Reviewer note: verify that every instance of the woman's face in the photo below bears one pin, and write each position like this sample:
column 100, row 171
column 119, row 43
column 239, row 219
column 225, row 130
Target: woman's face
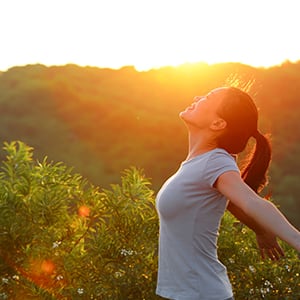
column 203, row 111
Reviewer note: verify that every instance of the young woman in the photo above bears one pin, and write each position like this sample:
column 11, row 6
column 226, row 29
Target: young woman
column 192, row 202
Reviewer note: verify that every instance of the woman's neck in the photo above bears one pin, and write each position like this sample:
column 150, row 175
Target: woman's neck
column 199, row 144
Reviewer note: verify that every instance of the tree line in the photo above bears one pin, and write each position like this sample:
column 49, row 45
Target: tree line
column 102, row 121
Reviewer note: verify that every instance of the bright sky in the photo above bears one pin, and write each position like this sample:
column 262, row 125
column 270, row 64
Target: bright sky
column 148, row 33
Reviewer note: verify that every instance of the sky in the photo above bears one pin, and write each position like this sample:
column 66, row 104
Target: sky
column 148, row 33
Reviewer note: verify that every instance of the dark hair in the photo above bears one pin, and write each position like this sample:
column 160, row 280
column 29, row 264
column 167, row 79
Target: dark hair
column 255, row 170
column 240, row 113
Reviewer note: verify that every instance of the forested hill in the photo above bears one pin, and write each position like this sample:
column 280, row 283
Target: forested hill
column 101, row 121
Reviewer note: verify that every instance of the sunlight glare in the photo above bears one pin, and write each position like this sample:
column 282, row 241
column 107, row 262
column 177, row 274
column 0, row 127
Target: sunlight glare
column 147, row 34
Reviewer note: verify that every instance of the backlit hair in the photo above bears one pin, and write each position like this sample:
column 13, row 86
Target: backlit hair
column 239, row 111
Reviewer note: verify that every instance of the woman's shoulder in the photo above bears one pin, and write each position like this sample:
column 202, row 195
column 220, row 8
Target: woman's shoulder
column 219, row 152
column 221, row 159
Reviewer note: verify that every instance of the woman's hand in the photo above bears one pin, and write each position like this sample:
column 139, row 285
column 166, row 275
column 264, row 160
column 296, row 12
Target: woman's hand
column 268, row 246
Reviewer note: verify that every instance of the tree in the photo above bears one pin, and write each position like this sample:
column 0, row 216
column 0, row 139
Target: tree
column 63, row 238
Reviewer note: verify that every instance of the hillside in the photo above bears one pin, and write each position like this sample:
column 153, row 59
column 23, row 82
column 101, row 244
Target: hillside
column 101, row 121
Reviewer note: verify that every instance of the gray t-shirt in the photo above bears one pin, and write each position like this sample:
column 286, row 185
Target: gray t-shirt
column 190, row 210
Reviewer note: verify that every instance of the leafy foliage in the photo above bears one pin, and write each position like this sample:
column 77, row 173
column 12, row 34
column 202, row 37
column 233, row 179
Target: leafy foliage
column 63, row 238
column 250, row 276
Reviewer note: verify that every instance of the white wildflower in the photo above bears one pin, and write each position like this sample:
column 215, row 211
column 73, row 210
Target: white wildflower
column 80, row 291
column 288, row 268
column 16, row 277
column 252, row 269
column 125, row 252
column 5, row 280
column 56, row 244
column 118, row 274
column 59, row 277
column 268, row 284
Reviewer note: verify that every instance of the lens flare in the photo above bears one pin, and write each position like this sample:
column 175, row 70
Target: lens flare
column 83, row 211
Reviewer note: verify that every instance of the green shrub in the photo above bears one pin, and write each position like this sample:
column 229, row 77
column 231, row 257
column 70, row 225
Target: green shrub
column 250, row 276
column 63, row 238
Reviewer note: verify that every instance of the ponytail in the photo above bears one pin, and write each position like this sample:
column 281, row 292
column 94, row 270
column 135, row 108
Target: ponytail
column 239, row 111
column 254, row 172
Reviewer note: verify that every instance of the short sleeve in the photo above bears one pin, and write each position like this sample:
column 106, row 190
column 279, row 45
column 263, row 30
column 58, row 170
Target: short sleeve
column 218, row 163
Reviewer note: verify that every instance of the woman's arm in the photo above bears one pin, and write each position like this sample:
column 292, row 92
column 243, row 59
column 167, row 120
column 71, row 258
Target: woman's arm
column 267, row 241
column 263, row 212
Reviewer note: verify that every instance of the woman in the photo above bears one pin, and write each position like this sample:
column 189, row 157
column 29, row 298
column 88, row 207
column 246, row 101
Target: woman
column 192, row 202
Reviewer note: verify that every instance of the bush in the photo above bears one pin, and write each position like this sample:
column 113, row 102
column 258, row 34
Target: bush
column 250, row 276
column 63, row 238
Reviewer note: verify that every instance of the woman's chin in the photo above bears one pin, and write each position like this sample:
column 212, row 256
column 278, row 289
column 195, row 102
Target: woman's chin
column 183, row 114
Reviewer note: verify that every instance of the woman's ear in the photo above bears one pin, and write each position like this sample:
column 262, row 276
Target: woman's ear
column 218, row 124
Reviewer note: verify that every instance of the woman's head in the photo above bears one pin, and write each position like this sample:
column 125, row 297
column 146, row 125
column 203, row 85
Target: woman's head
column 228, row 113
column 230, row 116
column 239, row 112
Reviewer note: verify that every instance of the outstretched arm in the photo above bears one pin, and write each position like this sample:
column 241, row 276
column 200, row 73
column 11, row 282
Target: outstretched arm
column 264, row 213
column 267, row 241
